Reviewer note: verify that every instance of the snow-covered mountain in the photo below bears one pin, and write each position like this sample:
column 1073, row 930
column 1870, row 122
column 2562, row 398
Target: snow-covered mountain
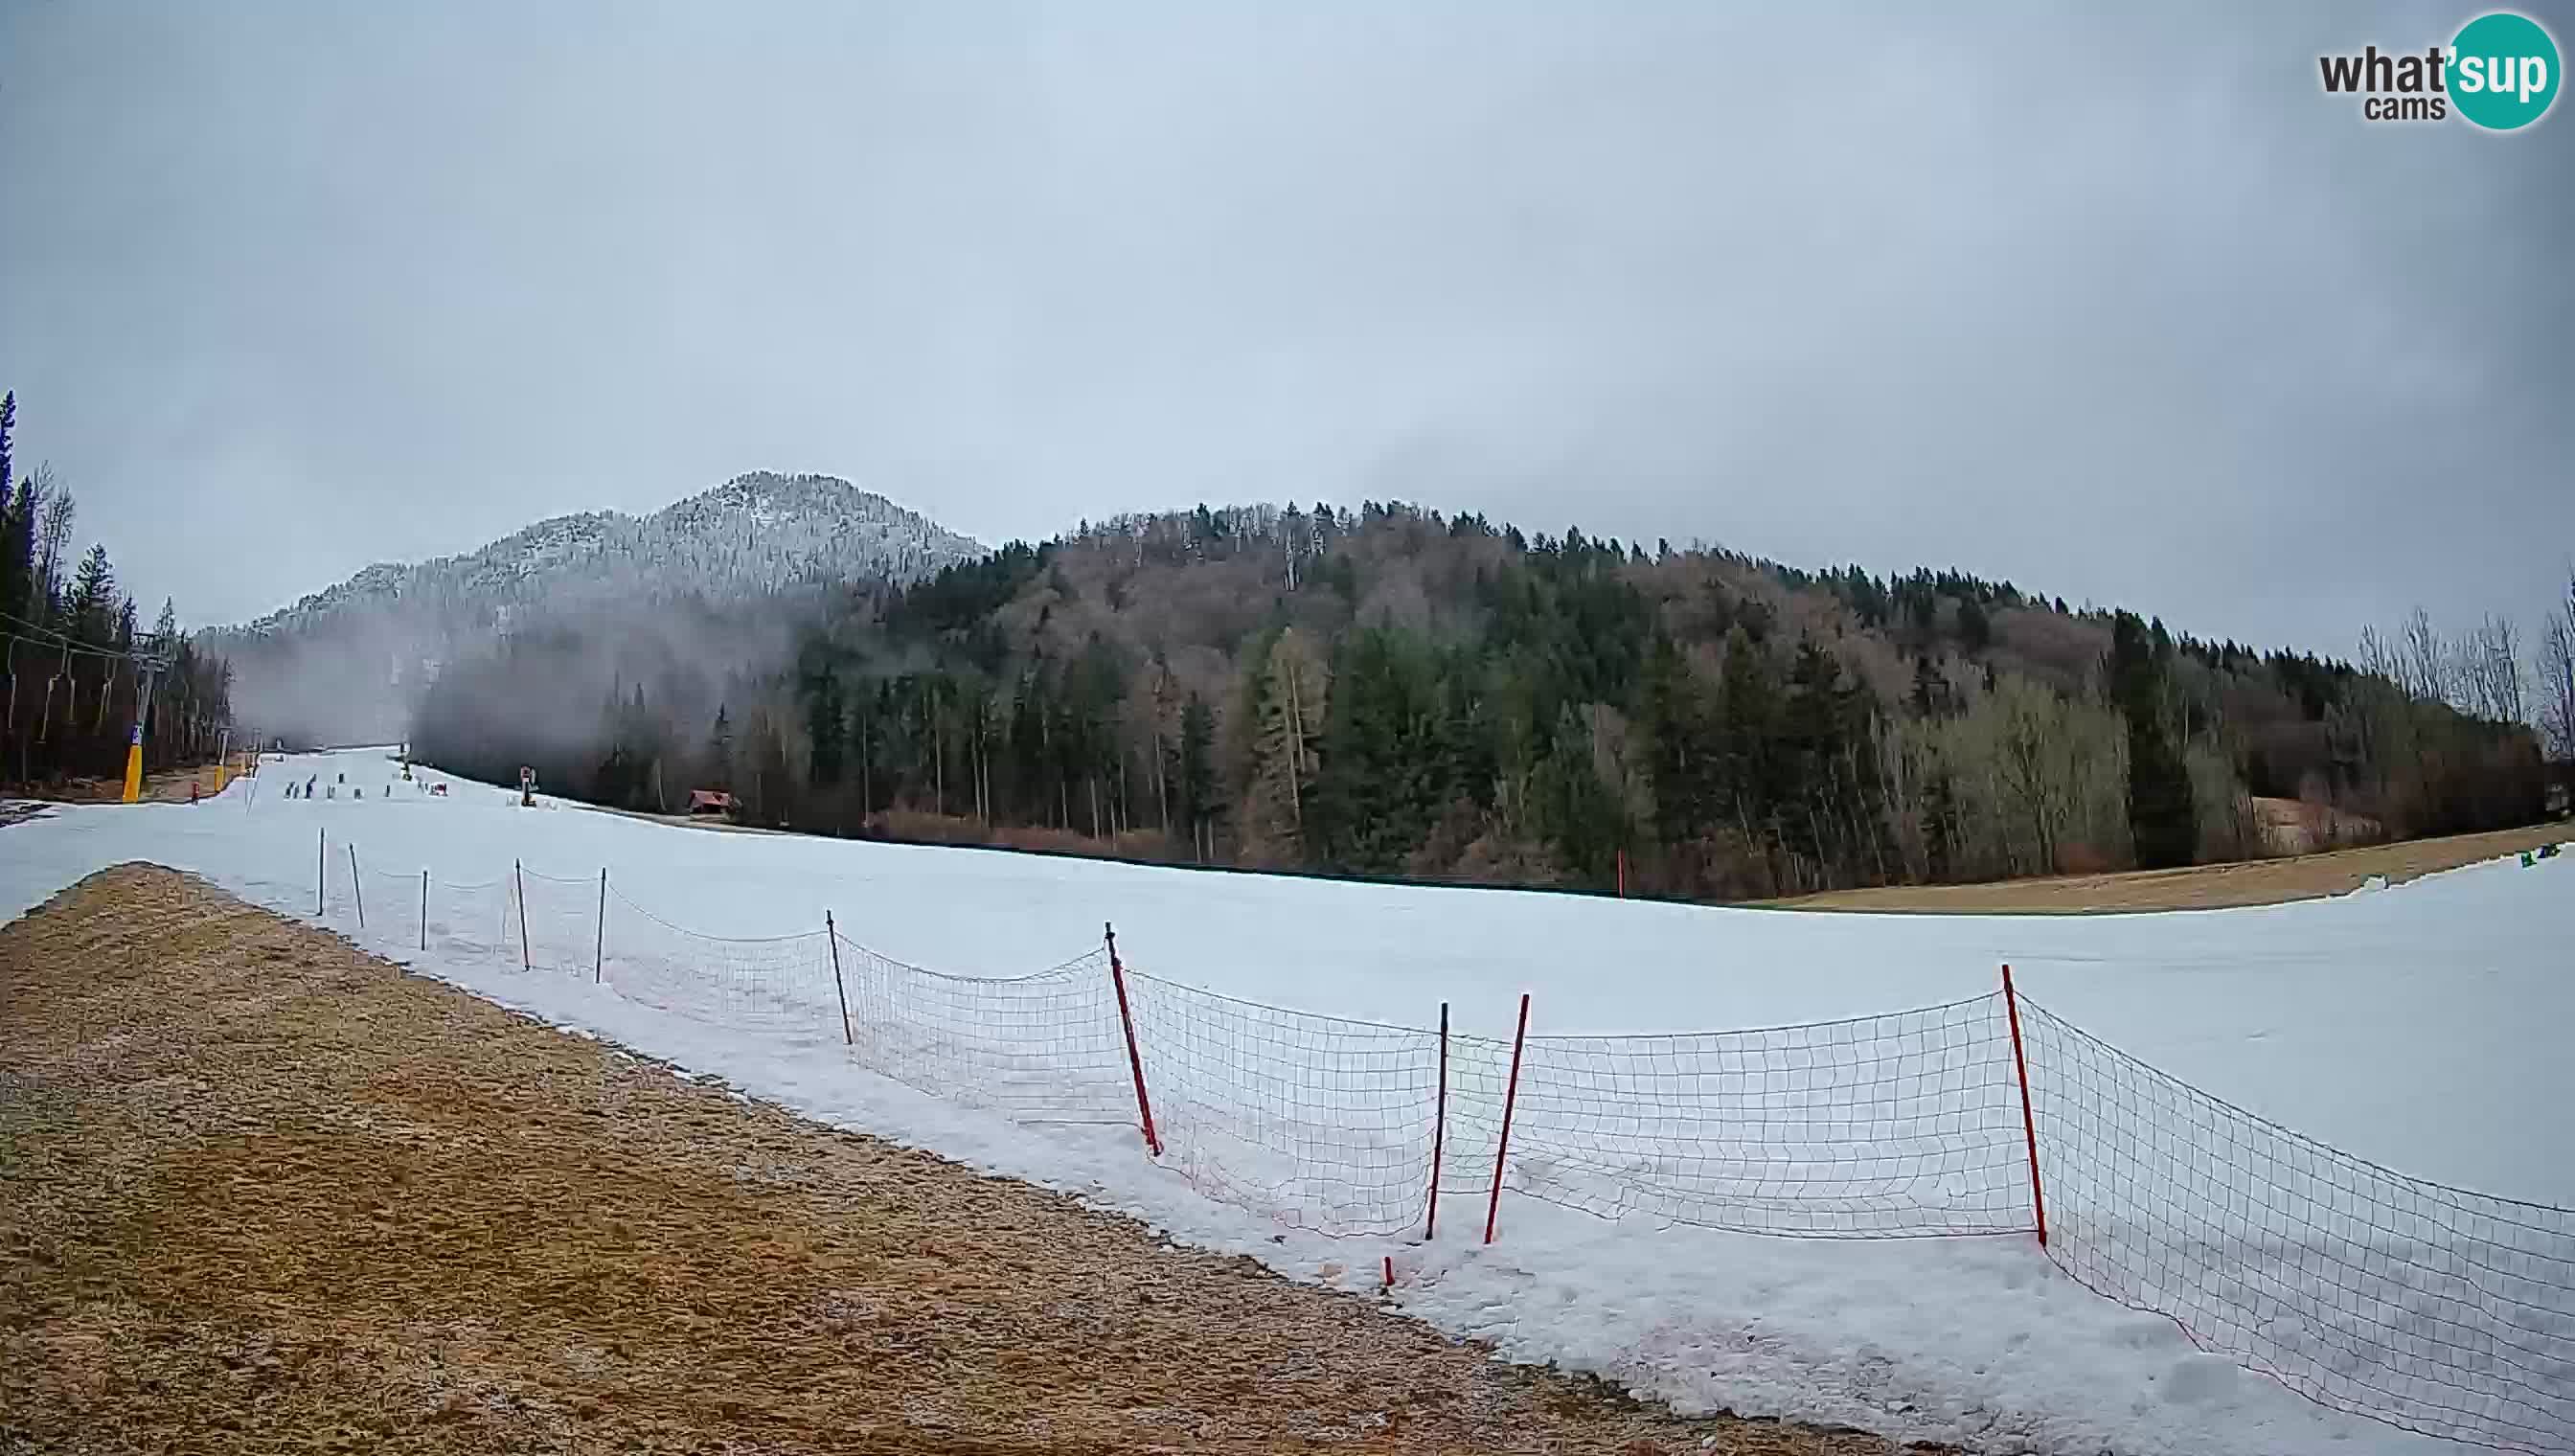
column 346, row 661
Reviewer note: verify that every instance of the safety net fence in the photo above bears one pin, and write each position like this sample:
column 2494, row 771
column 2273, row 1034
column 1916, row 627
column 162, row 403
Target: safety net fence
column 2438, row 1310
column 2433, row 1309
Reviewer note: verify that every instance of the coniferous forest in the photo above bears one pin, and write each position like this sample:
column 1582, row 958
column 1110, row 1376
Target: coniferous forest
column 1391, row 693
column 71, row 654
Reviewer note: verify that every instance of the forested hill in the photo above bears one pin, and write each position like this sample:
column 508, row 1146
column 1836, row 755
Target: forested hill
column 1391, row 693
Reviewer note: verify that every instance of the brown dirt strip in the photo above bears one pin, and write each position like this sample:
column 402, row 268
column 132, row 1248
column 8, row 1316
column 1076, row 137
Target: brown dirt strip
column 260, row 1191
column 2199, row 887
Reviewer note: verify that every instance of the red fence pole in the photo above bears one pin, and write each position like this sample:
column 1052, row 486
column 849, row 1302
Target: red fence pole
column 1134, row 1058
column 2028, row 1124
column 831, row 936
column 1439, row 1128
column 1503, row 1144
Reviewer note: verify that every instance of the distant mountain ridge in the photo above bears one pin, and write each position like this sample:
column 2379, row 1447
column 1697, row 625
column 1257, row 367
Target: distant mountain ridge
column 346, row 659
column 753, row 532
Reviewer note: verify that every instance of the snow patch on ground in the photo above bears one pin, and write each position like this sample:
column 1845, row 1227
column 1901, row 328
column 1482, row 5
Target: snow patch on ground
column 2416, row 1027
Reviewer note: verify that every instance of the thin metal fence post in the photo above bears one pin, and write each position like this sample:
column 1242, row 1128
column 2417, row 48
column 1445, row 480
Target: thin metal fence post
column 320, row 869
column 519, row 877
column 599, row 952
column 423, row 909
column 831, row 936
column 357, row 891
column 1503, row 1144
column 1438, row 1129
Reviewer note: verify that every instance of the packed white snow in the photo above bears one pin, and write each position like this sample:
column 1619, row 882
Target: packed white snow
column 2418, row 1027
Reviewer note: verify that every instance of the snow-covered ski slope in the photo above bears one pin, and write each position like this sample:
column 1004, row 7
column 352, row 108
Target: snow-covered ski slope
column 2416, row 1027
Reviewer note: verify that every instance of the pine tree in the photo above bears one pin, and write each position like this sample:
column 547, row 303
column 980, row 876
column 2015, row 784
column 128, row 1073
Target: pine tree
column 1930, row 692
column 823, row 725
column 16, row 517
column 92, row 604
column 18, row 551
column 1193, row 787
column 720, row 752
column 769, row 772
column 2163, row 818
column 1746, row 712
column 1673, row 718
column 1975, row 630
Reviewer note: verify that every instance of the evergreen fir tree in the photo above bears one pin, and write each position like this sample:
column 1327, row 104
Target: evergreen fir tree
column 1673, row 718
column 1930, row 693
column 1975, row 630
column 823, row 725
column 719, row 771
column 91, row 605
column 2162, row 817
column 18, row 551
column 1193, row 787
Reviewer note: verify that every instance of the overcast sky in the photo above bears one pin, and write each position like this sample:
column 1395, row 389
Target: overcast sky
column 2121, row 308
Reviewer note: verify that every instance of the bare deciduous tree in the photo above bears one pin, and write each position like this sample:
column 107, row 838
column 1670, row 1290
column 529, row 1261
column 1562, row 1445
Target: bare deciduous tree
column 2557, row 676
column 2425, row 662
column 2487, row 671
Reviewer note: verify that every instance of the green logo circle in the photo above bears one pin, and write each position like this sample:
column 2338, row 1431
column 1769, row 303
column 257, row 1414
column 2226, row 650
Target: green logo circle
column 2503, row 71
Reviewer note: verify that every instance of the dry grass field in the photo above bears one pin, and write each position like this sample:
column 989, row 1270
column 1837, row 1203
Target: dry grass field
column 2199, row 887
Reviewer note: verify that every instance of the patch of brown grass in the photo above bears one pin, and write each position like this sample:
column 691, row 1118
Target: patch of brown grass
column 2199, row 887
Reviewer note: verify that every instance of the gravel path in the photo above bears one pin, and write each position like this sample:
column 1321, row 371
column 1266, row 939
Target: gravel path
column 260, row 1191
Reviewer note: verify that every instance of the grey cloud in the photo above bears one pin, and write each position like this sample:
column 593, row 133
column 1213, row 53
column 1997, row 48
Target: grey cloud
column 2118, row 305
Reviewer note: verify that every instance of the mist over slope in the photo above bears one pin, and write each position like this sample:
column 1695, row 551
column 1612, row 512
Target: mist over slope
column 350, row 663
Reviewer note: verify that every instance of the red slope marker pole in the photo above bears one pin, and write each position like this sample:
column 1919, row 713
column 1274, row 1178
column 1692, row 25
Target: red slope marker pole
column 1134, row 1058
column 1438, row 1129
column 1503, row 1144
column 2028, row 1122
